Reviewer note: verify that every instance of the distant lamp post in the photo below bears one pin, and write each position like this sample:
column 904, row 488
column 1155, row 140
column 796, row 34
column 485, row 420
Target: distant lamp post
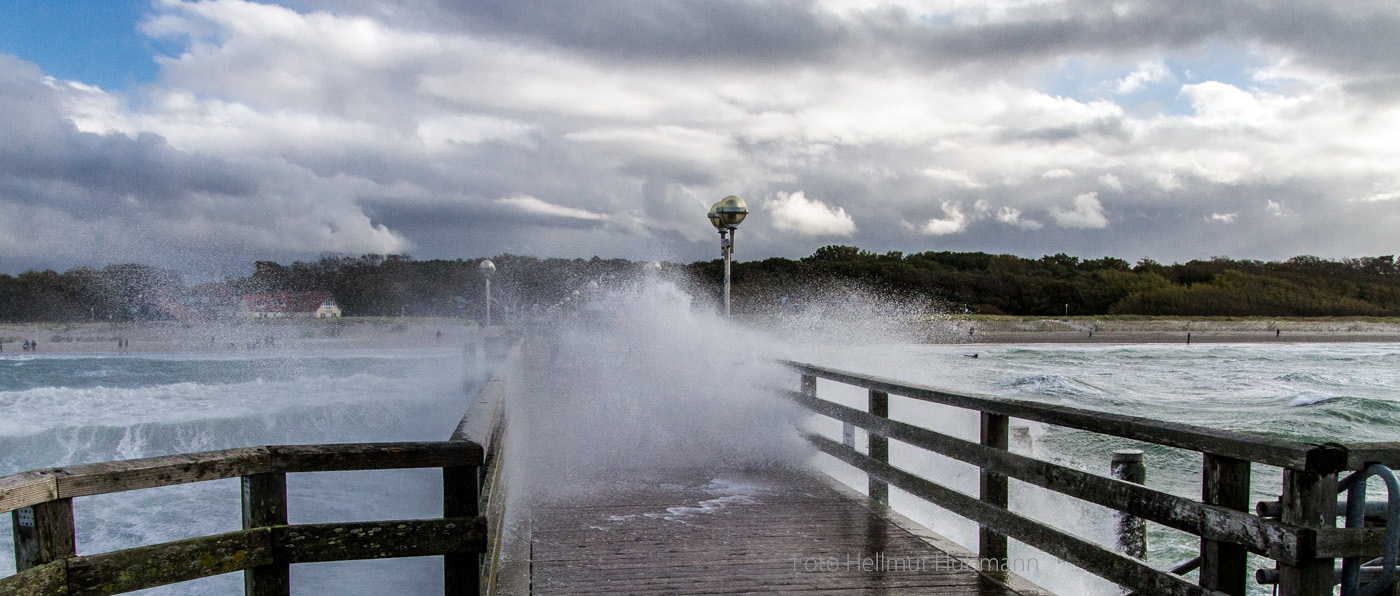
column 725, row 216
column 488, row 269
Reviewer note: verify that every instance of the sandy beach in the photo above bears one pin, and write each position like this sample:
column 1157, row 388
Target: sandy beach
column 302, row 334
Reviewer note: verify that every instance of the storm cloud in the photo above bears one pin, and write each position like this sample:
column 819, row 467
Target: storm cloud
column 1172, row 130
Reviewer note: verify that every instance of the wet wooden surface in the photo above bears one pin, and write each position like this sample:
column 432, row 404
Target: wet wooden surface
column 771, row 532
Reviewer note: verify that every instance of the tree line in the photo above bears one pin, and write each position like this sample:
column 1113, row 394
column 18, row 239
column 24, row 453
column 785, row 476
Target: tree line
column 975, row 282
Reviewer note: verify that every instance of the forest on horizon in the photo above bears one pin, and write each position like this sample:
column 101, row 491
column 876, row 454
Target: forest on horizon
column 974, row 282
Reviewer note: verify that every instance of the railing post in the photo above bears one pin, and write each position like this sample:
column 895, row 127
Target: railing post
column 994, row 490
column 1224, row 482
column 461, row 494
column 809, row 385
column 43, row 533
column 265, row 504
column 879, row 447
column 1309, row 500
column 1128, row 466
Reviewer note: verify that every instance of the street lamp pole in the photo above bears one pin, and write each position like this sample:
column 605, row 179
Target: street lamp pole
column 488, row 269
column 725, row 216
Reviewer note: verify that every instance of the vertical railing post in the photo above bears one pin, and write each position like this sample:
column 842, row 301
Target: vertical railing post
column 809, row 385
column 461, row 497
column 265, row 504
column 1224, row 482
column 1128, row 466
column 43, row 533
column 1309, row 500
column 992, row 549
column 879, row 447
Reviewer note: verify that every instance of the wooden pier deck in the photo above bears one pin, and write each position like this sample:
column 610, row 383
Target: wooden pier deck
column 770, row 532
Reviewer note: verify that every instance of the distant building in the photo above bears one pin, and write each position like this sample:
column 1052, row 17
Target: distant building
column 289, row 305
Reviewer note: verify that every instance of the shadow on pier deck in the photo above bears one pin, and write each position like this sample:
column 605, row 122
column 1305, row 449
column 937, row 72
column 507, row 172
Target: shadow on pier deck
column 767, row 531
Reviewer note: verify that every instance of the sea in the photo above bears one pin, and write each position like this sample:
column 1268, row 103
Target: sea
column 64, row 409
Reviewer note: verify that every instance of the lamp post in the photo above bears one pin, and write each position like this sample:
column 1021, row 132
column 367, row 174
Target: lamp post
column 725, row 216
column 488, row 269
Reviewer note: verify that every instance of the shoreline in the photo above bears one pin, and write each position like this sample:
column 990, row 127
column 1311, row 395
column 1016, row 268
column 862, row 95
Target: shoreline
column 391, row 333
column 1014, row 330
column 227, row 336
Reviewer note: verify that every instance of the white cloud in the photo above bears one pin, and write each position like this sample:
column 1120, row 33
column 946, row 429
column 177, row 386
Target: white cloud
column 1111, row 181
column 1147, row 72
column 1057, row 173
column 1224, row 217
column 1012, row 216
column 955, row 221
column 959, row 177
column 795, row 213
column 533, row 206
column 1276, row 209
column 1087, row 212
column 1168, row 182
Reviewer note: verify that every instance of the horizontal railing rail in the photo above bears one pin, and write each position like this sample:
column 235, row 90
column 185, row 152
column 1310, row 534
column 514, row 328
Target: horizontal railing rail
column 38, row 486
column 1301, row 538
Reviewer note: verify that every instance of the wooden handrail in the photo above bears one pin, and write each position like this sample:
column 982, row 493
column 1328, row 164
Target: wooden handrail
column 46, row 550
column 39, row 486
column 1303, row 546
column 1283, row 453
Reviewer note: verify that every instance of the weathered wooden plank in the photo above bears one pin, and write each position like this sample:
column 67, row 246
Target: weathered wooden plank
column 372, row 456
column 993, row 487
column 1340, row 543
column 1267, row 450
column 264, row 505
column 1125, row 571
column 1272, row 538
column 483, row 415
column 50, row 579
column 878, row 446
column 1127, row 465
column 351, row 541
column 167, row 470
column 1224, row 482
column 1309, row 500
column 27, row 488
column 461, row 498
column 43, row 533
column 168, row 563
column 1360, row 454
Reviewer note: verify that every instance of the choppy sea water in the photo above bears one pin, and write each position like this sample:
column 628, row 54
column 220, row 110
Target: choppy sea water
column 1306, row 392
column 67, row 409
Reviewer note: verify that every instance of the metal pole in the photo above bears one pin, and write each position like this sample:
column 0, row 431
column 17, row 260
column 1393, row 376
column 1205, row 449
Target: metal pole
column 728, row 256
column 488, row 302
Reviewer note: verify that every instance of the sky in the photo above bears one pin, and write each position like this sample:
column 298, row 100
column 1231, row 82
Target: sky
column 205, row 135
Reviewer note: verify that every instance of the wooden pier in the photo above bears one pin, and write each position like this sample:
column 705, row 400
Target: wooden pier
column 731, row 531
column 761, row 531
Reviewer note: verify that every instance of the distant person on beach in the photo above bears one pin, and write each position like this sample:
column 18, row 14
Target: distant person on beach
column 1276, row 332
column 1188, row 338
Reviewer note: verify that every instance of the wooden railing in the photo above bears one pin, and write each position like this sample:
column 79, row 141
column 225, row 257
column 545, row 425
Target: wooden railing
column 41, row 506
column 1303, row 541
